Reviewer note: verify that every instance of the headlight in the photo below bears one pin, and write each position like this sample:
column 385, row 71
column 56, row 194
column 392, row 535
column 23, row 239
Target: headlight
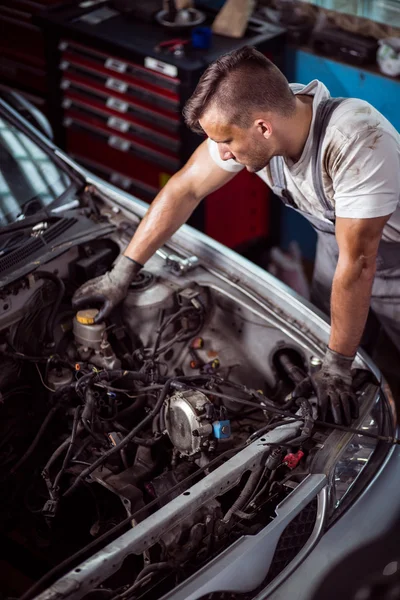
column 354, row 460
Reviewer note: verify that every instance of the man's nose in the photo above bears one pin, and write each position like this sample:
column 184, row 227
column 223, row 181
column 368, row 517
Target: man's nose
column 224, row 152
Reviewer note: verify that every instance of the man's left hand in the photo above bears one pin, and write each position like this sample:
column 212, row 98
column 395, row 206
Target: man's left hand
column 332, row 385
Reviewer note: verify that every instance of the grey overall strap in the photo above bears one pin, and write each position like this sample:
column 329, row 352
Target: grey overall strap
column 322, row 117
column 276, row 164
column 277, row 175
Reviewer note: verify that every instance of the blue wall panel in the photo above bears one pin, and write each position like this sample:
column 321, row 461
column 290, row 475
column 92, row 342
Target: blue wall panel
column 348, row 81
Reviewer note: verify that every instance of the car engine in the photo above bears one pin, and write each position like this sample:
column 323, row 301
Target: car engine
column 104, row 424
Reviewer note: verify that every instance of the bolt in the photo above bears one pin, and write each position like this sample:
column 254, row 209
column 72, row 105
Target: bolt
column 315, row 361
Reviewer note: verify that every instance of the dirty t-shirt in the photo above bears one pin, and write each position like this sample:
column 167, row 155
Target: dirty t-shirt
column 360, row 164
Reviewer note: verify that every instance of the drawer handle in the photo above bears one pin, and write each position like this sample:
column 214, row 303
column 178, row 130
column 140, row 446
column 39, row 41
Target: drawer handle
column 116, row 104
column 118, row 143
column 118, row 124
column 116, row 85
column 115, row 65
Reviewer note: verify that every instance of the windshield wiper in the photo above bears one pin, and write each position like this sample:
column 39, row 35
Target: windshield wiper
column 32, row 207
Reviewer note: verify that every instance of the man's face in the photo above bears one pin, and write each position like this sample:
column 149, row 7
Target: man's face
column 249, row 147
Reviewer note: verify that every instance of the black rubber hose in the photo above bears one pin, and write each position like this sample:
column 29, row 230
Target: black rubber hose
column 58, row 451
column 166, row 324
column 37, row 438
column 70, row 448
column 265, row 488
column 125, row 440
column 134, row 407
column 293, row 371
column 61, row 291
column 96, row 377
column 245, row 494
column 145, row 572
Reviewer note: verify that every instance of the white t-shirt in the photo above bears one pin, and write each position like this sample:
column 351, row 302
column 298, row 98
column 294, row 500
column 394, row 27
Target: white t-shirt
column 360, row 164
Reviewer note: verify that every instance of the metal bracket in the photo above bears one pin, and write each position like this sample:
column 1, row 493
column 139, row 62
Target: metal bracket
column 180, row 266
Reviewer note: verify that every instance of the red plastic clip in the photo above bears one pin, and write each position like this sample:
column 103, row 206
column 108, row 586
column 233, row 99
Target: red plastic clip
column 292, row 460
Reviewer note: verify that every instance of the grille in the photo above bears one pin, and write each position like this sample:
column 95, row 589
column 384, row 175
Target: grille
column 292, row 540
column 29, row 248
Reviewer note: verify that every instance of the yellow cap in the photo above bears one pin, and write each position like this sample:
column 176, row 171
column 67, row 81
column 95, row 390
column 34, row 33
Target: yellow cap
column 86, row 317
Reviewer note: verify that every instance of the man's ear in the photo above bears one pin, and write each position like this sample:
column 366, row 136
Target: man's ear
column 263, row 127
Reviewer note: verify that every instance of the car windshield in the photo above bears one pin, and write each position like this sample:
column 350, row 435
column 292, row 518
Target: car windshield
column 29, row 179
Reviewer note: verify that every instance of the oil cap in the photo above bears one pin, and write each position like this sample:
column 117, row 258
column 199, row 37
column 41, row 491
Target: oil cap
column 87, row 316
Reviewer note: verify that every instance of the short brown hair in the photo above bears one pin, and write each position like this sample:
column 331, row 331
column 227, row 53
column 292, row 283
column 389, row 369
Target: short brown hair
column 239, row 83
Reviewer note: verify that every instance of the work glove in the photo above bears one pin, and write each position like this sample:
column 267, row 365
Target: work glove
column 108, row 289
column 332, row 385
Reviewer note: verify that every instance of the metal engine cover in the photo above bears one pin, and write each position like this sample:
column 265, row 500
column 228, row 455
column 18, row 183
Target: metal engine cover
column 185, row 423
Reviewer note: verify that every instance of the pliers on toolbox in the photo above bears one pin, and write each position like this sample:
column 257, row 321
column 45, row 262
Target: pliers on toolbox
column 174, row 46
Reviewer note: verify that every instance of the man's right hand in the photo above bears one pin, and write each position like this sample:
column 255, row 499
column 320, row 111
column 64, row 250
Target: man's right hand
column 333, row 386
column 108, row 289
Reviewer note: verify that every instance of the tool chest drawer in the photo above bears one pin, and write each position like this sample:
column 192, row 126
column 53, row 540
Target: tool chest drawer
column 117, row 153
column 121, row 139
column 139, row 130
column 76, row 87
column 123, row 83
column 113, row 65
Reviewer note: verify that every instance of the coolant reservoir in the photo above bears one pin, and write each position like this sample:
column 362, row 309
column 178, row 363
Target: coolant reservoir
column 91, row 340
column 88, row 333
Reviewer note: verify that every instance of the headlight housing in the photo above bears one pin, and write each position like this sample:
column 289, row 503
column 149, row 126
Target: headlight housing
column 354, row 459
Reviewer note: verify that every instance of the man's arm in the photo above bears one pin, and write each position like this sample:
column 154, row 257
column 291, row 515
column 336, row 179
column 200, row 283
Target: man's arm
column 176, row 202
column 170, row 209
column 358, row 241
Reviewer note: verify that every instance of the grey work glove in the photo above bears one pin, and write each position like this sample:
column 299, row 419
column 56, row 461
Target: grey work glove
column 108, row 289
column 332, row 385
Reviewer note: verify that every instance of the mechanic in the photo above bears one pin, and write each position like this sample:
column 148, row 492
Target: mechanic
column 336, row 161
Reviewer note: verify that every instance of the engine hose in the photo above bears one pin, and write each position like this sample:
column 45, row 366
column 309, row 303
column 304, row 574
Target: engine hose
column 264, row 489
column 125, row 440
column 155, row 426
column 61, row 291
column 138, row 440
column 293, row 371
column 135, row 406
column 167, row 323
column 245, row 494
column 98, row 376
column 38, row 436
column 144, row 573
column 82, row 448
column 70, row 448
column 58, row 451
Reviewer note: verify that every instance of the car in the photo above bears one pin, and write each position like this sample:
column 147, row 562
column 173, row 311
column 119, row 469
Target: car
column 161, row 454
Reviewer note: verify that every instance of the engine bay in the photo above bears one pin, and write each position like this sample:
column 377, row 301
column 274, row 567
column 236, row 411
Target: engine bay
column 105, row 424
